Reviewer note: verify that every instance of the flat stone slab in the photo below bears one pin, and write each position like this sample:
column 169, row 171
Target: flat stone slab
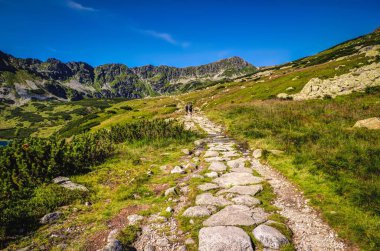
column 242, row 170
column 230, row 154
column 243, row 190
column 212, row 174
column 208, row 186
column 211, row 154
column 217, row 166
column 240, row 162
column 236, row 215
column 209, row 199
column 212, row 159
column 196, row 211
column 237, row 179
column 269, row 236
column 246, row 200
column 223, row 238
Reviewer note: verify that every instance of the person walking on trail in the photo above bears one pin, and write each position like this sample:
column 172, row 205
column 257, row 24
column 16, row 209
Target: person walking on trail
column 187, row 109
column 191, row 108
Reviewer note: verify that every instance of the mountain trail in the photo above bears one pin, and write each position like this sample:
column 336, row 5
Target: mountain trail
column 231, row 214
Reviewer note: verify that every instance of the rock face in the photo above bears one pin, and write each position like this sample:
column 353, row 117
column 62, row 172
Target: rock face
column 54, row 79
column 357, row 80
column 270, row 237
column 371, row 123
column 224, row 238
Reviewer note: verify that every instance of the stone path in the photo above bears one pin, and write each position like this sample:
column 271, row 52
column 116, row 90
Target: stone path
column 231, row 214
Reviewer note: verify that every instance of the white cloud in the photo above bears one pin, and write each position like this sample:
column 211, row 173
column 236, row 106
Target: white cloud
column 165, row 37
column 80, row 7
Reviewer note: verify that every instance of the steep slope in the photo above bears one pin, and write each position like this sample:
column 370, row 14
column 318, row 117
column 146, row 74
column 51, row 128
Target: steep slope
column 24, row 79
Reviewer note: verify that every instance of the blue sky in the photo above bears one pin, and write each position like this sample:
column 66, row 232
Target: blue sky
column 180, row 33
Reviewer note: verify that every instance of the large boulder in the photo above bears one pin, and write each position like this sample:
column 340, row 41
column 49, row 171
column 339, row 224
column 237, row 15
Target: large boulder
column 237, row 215
column 224, row 238
column 269, row 236
column 370, row 123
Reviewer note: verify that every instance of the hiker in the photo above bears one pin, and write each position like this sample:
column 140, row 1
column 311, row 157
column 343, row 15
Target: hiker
column 187, row 109
column 191, row 108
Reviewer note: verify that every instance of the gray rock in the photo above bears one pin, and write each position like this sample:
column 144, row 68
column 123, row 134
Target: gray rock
column 240, row 162
column 211, row 154
column 171, row 191
column 114, row 245
column 133, row 219
column 237, row 179
column 189, row 241
column 212, row 174
column 197, row 176
column 217, row 166
column 221, row 238
column 257, row 153
column 246, row 200
column 197, row 153
column 169, row 210
column 370, row 123
column 207, row 186
column 149, row 247
column 209, row 199
column 60, row 180
column 212, row 159
column 51, row 217
column 178, row 169
column 237, row 215
column 230, row 154
column 163, row 242
column 269, row 236
column 196, row 211
column 199, row 142
column 243, row 190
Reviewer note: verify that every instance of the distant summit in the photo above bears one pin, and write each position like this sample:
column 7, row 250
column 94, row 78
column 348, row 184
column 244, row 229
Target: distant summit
column 22, row 80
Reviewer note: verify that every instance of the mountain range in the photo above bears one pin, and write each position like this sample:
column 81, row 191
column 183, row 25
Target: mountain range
column 22, row 80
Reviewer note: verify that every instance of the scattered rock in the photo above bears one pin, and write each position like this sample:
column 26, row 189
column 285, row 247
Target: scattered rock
column 189, row 241
column 217, row 166
column 283, row 96
column 370, row 123
column 269, row 236
column 199, row 142
column 51, row 217
column 291, row 88
column 196, row 211
column 163, row 242
column 242, row 170
column 257, row 153
column 236, row 179
column 171, row 191
column 112, row 243
column 178, row 169
column 237, row 215
column 197, row 153
column 66, row 183
column 197, row 176
column 224, row 238
column 246, row 200
column 209, row 199
column 60, row 180
column 207, row 186
column 212, row 174
column 134, row 219
column 169, row 210
column 186, row 151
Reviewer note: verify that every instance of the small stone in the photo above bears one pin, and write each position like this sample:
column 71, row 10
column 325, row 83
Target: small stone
column 178, row 169
column 236, row 163
column 269, row 236
column 60, row 180
column 196, row 211
column 149, row 247
column 212, row 174
column 134, row 219
column 171, row 191
column 182, row 248
column 51, row 217
column 189, row 241
column 163, row 242
column 191, row 222
column 87, row 204
column 197, row 176
column 257, row 153
column 169, row 210
column 197, row 153
column 186, row 151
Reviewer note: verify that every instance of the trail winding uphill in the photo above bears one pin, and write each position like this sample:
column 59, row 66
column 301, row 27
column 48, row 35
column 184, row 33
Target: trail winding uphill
column 232, row 218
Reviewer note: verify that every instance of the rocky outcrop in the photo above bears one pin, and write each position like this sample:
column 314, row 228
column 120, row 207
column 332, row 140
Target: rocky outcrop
column 357, row 80
column 54, row 79
column 370, row 123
